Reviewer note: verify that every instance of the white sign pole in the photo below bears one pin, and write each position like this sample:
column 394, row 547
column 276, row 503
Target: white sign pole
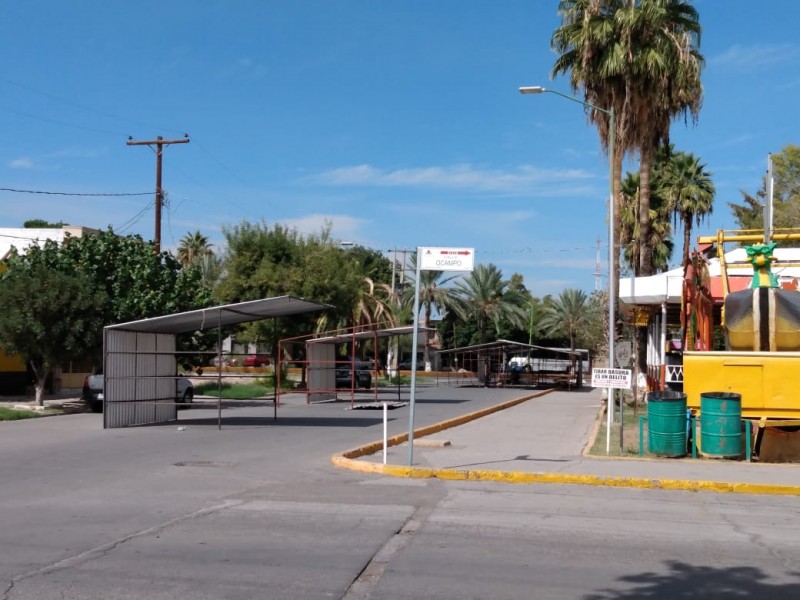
column 431, row 259
column 385, row 429
column 414, row 338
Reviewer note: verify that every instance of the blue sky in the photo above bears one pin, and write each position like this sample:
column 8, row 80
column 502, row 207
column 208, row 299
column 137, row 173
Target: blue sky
column 398, row 122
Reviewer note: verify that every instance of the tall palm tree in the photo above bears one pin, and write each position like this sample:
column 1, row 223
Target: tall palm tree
column 660, row 240
column 433, row 295
column 589, row 47
column 192, row 248
column 641, row 58
column 690, row 193
column 661, row 40
column 487, row 298
column 566, row 314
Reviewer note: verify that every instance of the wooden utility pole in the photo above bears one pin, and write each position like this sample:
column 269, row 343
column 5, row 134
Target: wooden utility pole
column 159, row 144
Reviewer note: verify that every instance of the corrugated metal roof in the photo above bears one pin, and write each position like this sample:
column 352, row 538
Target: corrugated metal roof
column 228, row 314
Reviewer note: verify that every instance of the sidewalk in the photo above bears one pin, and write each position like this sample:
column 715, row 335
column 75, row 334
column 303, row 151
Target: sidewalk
column 543, row 439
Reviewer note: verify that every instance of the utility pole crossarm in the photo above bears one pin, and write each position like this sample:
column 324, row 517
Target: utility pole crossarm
column 132, row 142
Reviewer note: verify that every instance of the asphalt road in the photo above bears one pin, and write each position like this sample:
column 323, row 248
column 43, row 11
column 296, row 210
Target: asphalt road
column 257, row 511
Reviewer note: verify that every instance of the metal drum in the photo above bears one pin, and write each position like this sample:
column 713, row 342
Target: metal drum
column 721, row 424
column 666, row 423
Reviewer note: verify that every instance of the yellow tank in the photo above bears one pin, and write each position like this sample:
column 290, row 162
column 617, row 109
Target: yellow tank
column 767, row 381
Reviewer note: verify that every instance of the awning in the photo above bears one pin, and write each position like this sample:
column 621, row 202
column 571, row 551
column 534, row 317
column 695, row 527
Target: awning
column 227, row 314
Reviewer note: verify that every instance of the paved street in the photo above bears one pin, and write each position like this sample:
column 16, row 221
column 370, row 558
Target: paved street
column 256, row 510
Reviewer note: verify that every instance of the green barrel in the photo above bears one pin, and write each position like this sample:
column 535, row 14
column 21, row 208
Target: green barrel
column 721, row 424
column 666, row 423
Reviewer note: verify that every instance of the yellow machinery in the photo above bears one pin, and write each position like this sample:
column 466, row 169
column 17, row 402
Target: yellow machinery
column 762, row 330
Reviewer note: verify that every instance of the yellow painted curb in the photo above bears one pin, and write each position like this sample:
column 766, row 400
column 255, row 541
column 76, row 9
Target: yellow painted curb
column 347, row 460
column 565, row 479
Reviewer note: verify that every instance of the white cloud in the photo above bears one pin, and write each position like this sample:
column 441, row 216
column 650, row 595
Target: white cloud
column 757, row 55
column 343, row 227
column 22, row 163
column 524, row 179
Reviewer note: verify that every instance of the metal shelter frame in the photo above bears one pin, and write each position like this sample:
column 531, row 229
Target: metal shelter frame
column 320, row 362
column 490, row 362
column 139, row 357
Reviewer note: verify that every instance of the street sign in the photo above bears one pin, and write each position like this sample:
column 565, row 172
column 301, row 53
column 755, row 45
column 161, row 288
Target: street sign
column 612, row 378
column 623, row 353
column 446, row 259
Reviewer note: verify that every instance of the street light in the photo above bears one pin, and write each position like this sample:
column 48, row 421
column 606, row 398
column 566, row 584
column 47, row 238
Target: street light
column 537, row 89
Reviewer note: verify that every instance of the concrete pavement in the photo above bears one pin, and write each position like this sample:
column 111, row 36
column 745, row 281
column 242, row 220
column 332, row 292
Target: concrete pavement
column 541, row 438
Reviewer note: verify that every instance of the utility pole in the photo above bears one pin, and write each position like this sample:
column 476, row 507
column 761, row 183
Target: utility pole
column 159, row 144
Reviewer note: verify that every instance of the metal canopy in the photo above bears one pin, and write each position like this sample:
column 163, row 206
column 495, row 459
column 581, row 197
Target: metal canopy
column 508, row 346
column 227, row 314
column 368, row 334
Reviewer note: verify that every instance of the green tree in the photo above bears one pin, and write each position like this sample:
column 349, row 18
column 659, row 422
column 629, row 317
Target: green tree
column 42, row 224
column 641, row 58
column 593, row 333
column 193, row 247
column 48, row 317
column 660, row 231
column 689, row 191
column 137, row 282
column 662, row 75
column 566, row 315
column 265, row 260
column 485, row 297
column 786, row 195
column 433, row 295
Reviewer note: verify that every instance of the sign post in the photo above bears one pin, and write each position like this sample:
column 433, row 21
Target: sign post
column 431, row 259
column 611, row 379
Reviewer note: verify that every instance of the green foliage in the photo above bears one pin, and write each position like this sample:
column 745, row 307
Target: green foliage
column 264, row 261
column 485, row 297
column 42, row 224
column 593, row 332
column 135, row 282
column 48, row 317
column 11, row 414
column 642, row 59
column 786, row 195
column 566, row 315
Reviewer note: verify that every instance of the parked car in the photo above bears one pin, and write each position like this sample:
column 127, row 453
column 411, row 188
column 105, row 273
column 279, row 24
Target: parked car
column 406, row 365
column 256, row 360
column 93, row 392
column 344, row 375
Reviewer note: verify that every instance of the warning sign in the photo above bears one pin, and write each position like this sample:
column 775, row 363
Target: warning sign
column 612, row 378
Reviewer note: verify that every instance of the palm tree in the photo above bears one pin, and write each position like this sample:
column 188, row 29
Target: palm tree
column 192, row 248
column 589, row 46
column 487, row 298
column 639, row 57
column 432, row 296
column 660, row 231
column 566, row 314
column 690, row 193
column 661, row 39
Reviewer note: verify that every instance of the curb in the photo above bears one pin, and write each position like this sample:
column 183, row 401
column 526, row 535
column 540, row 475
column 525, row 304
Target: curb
column 348, row 460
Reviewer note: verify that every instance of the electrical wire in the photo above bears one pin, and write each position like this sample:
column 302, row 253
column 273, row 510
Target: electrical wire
column 47, row 193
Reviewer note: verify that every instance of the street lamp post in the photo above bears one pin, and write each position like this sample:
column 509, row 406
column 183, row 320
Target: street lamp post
column 536, row 89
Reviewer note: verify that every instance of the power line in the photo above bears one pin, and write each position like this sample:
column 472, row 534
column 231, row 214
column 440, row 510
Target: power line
column 82, row 107
column 47, row 193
